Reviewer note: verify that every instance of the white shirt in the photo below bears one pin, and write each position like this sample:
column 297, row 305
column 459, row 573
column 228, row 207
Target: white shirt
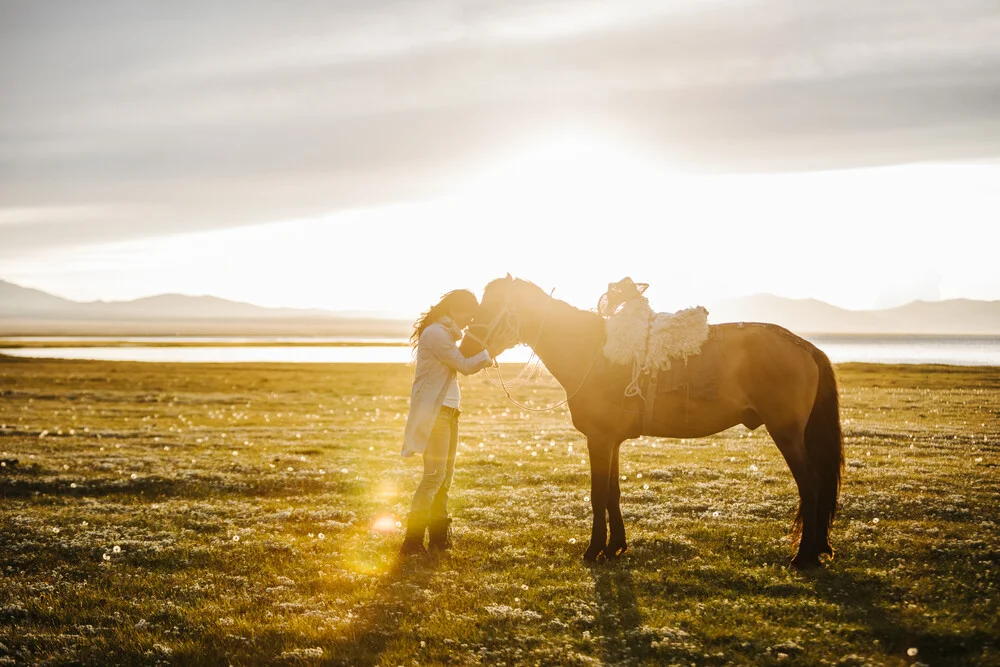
column 454, row 395
column 438, row 359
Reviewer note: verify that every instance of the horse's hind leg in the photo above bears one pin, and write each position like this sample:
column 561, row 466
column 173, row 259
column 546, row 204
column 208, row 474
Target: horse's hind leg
column 617, row 544
column 791, row 444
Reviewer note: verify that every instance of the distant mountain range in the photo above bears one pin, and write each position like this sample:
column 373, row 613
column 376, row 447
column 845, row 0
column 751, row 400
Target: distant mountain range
column 953, row 316
column 25, row 311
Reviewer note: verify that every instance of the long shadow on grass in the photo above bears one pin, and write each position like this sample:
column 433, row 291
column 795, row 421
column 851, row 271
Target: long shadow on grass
column 619, row 614
column 156, row 487
column 872, row 603
column 396, row 600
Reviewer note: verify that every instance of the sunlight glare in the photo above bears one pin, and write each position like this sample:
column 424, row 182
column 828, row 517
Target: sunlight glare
column 385, row 524
column 569, row 201
column 575, row 213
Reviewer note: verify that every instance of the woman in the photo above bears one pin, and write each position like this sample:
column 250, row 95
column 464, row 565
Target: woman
column 432, row 425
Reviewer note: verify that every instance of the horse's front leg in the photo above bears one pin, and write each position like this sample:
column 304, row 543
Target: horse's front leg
column 617, row 545
column 601, row 452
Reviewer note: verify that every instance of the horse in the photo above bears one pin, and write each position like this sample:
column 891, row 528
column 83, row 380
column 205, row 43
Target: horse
column 765, row 375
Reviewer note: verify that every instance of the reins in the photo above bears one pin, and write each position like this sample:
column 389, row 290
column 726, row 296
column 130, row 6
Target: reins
column 528, row 369
column 560, row 403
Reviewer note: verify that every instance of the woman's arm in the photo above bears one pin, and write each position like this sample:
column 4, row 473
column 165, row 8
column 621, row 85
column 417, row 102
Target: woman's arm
column 439, row 342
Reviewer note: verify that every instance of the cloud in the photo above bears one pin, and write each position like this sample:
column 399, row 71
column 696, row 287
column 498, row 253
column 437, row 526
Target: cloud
column 181, row 116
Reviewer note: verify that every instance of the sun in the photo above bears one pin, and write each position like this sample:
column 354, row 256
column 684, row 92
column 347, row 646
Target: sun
column 568, row 202
column 568, row 171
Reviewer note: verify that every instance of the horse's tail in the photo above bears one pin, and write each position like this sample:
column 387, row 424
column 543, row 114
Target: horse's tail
column 825, row 443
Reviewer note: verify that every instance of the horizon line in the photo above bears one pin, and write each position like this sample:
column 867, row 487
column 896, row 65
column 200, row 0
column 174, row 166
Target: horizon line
column 397, row 315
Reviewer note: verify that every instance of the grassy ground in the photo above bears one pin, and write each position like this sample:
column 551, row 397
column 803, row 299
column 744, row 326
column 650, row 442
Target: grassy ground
column 207, row 514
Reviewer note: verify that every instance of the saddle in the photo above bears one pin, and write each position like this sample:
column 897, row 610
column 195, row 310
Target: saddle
column 668, row 352
column 697, row 376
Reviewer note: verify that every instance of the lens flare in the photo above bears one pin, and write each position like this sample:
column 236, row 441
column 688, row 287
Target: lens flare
column 385, row 524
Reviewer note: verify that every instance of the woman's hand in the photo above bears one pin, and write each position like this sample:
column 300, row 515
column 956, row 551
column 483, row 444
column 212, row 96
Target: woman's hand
column 501, row 340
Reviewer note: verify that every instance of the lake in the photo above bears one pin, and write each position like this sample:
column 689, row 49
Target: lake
column 888, row 349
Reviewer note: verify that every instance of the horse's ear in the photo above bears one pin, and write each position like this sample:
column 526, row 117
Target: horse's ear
column 509, row 277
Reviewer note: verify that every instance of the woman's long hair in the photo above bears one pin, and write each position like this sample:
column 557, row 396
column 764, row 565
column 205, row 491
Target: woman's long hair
column 459, row 299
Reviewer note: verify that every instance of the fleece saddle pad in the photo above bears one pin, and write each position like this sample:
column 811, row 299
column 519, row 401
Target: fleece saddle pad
column 637, row 335
column 698, row 376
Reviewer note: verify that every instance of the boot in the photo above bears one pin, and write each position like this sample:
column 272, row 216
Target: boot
column 440, row 534
column 413, row 543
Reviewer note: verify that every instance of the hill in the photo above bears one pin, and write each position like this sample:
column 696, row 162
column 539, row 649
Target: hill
column 950, row 317
column 25, row 311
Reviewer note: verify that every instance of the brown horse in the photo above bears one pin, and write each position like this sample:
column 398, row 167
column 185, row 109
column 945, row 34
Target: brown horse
column 764, row 375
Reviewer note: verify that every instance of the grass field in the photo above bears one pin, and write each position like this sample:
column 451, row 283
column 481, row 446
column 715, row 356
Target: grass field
column 214, row 514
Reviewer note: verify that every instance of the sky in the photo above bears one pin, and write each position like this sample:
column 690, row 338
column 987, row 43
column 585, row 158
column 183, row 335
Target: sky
column 371, row 155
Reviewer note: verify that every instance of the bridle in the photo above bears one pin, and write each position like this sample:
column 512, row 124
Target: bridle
column 504, row 317
column 507, row 317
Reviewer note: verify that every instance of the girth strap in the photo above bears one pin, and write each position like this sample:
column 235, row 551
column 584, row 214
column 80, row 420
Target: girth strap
column 649, row 399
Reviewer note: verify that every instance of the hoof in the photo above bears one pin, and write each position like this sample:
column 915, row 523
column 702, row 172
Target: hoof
column 594, row 556
column 801, row 562
column 616, row 550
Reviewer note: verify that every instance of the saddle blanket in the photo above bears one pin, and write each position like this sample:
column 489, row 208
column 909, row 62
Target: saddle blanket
column 637, row 336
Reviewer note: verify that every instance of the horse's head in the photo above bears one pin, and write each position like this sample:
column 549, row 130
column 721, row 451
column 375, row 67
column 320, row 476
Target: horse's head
column 496, row 312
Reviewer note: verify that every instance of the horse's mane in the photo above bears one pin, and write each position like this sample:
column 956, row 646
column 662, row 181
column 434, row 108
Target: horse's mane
column 559, row 313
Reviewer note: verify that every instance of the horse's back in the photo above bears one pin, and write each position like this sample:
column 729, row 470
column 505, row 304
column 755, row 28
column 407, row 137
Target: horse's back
column 775, row 369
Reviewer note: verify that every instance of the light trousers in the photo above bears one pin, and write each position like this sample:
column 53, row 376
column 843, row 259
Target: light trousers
column 430, row 500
